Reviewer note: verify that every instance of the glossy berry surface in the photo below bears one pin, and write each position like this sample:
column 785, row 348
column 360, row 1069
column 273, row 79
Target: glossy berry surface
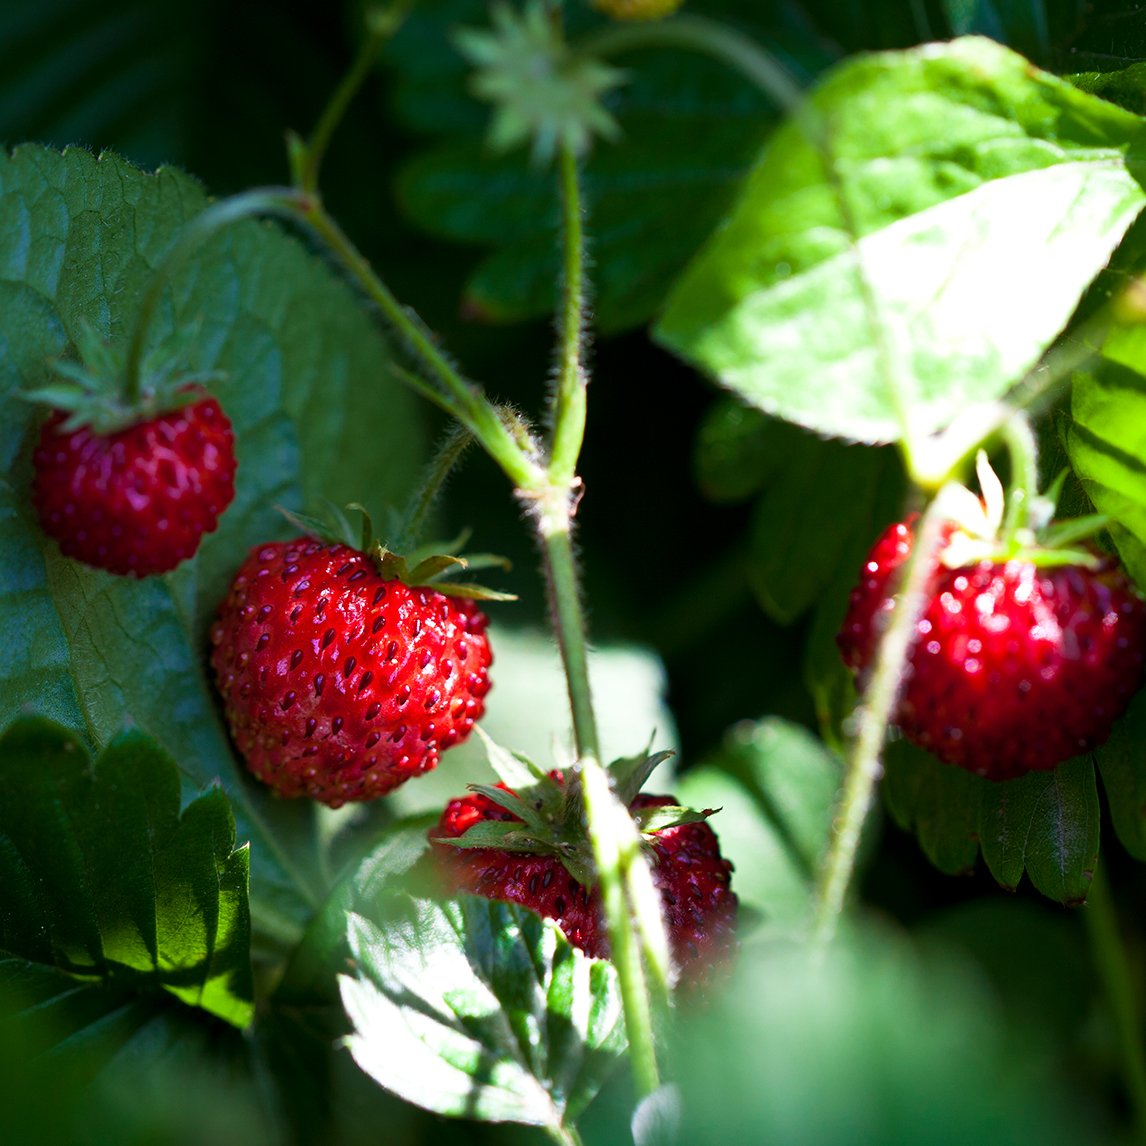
column 337, row 684
column 1015, row 667
column 137, row 501
column 693, row 878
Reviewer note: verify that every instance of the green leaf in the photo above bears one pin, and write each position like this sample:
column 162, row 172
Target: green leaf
column 91, row 71
column 776, row 786
column 1126, row 87
column 866, row 285
column 478, row 1009
column 1045, row 824
column 940, row 804
column 739, row 451
column 106, row 879
column 309, row 978
column 1106, row 440
column 315, row 413
column 1122, row 765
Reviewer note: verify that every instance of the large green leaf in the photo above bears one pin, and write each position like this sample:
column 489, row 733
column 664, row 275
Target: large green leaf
column 911, row 242
column 315, row 413
column 1044, row 825
column 105, row 878
column 775, row 786
column 479, row 1009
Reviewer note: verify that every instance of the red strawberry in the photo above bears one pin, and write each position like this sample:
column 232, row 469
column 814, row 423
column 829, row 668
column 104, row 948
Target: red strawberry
column 1015, row 666
column 693, row 879
column 339, row 684
column 136, row 501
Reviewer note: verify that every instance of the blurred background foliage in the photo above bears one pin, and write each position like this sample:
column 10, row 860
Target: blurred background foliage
column 676, row 560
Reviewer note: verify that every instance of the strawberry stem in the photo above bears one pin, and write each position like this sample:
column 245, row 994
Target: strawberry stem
column 1024, row 451
column 864, row 764
column 630, row 902
column 711, row 38
column 306, row 158
column 569, row 398
column 460, row 398
column 1114, row 970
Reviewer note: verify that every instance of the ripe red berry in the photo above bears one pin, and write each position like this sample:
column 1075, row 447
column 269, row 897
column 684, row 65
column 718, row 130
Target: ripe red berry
column 136, row 501
column 1015, row 667
column 688, row 869
column 340, row 685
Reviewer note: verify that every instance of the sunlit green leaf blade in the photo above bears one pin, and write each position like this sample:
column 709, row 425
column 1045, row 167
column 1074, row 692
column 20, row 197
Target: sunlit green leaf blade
column 105, row 878
column 479, row 1009
column 900, row 250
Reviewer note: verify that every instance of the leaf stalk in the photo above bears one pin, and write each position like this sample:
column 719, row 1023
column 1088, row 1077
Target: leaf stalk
column 864, row 763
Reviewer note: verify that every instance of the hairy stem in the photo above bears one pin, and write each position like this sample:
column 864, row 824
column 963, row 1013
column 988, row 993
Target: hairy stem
column 710, row 37
column 637, row 945
column 1024, row 451
column 307, row 158
column 864, row 765
column 616, row 851
column 569, row 398
column 462, row 399
column 1114, row 971
column 569, row 626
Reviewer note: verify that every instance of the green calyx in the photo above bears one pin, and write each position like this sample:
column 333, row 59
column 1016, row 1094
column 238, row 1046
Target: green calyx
column 549, row 813
column 429, row 565
column 543, row 92
column 986, row 528
column 93, row 390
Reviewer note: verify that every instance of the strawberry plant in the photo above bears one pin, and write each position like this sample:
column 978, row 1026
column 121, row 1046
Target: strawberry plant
column 820, row 504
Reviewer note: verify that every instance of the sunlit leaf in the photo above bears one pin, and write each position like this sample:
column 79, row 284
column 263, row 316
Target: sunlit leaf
column 899, row 250
column 480, row 1009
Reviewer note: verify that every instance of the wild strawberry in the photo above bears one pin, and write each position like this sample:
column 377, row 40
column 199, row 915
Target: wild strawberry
column 1016, row 666
column 688, row 869
column 339, row 683
column 139, row 499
